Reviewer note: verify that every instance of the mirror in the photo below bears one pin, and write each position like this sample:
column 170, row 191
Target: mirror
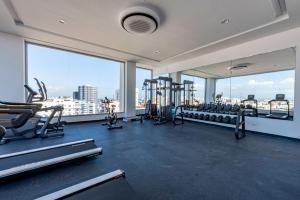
column 270, row 77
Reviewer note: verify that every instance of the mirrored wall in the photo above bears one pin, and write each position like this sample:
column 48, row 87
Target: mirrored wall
column 267, row 78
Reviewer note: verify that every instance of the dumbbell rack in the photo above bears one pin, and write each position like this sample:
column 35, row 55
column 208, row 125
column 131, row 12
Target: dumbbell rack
column 238, row 126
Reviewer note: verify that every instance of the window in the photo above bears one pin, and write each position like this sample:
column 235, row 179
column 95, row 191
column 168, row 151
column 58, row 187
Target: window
column 78, row 82
column 141, row 75
column 264, row 86
column 199, row 86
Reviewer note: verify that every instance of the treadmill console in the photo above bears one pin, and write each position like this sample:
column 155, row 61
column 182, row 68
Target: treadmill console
column 280, row 97
column 251, row 97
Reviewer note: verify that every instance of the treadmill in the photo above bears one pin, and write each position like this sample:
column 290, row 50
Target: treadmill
column 279, row 115
column 108, row 186
column 250, row 111
column 21, row 163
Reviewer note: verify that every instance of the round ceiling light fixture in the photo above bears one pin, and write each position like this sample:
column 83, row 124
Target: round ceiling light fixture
column 139, row 20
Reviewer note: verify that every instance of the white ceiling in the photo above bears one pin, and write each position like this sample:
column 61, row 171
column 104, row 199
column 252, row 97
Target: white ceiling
column 188, row 28
column 268, row 62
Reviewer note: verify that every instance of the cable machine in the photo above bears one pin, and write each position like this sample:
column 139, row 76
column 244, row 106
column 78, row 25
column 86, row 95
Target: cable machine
column 176, row 89
column 188, row 93
column 150, row 88
column 164, row 100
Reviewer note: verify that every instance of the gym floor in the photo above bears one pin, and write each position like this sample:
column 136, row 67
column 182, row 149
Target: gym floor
column 193, row 161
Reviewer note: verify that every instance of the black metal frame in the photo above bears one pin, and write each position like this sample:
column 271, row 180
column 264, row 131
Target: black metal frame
column 240, row 127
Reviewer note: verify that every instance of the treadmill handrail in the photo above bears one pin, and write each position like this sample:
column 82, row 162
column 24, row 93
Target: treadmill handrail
column 284, row 100
column 15, row 111
column 45, row 163
column 19, row 104
column 83, row 185
column 44, row 148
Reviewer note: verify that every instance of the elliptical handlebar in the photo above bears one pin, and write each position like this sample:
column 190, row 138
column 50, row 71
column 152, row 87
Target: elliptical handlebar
column 41, row 91
column 45, row 91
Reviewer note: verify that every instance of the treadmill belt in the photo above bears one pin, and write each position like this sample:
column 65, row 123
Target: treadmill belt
column 112, row 190
column 43, row 155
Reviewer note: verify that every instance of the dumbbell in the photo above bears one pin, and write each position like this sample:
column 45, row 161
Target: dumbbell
column 227, row 108
column 233, row 120
column 200, row 107
column 220, row 108
column 219, row 119
column 181, row 114
column 212, row 118
column 213, row 108
column 196, row 116
column 227, row 119
column 201, row 116
column 186, row 114
column 235, row 108
column 191, row 115
column 206, row 117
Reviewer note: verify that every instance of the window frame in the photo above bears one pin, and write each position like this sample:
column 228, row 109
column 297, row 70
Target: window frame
column 26, row 71
column 205, row 83
column 151, row 77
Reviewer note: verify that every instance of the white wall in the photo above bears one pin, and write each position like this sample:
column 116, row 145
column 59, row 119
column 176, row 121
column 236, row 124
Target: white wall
column 12, row 70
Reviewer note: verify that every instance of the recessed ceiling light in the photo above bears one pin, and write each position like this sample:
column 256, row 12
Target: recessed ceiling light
column 225, row 21
column 61, row 21
column 157, row 51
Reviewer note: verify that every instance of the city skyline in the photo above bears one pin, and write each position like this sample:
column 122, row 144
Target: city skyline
column 63, row 71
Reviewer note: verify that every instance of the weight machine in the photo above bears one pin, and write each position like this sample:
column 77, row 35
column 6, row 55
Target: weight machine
column 188, row 93
column 164, row 100
column 150, row 88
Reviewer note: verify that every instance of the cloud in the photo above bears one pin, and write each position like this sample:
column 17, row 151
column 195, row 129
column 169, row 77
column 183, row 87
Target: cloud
column 287, row 81
column 260, row 83
column 55, row 88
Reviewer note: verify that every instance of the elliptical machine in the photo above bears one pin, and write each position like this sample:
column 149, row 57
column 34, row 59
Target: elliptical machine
column 111, row 118
column 34, row 125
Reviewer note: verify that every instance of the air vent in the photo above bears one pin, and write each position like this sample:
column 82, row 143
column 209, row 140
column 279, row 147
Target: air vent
column 139, row 20
column 139, row 23
column 239, row 67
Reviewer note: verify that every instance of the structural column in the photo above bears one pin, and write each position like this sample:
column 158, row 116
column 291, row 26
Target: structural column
column 129, row 90
column 210, row 90
column 176, row 77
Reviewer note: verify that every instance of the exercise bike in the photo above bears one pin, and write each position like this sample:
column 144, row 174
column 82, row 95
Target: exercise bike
column 111, row 118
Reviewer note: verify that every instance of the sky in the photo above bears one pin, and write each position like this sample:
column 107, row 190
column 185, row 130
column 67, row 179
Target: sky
column 263, row 86
column 199, row 85
column 64, row 71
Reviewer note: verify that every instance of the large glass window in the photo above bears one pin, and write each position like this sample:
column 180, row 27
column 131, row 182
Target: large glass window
column 78, row 82
column 264, row 86
column 199, row 86
column 141, row 75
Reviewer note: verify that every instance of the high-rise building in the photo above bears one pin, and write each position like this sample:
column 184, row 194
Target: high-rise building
column 117, row 95
column 76, row 95
column 87, row 93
